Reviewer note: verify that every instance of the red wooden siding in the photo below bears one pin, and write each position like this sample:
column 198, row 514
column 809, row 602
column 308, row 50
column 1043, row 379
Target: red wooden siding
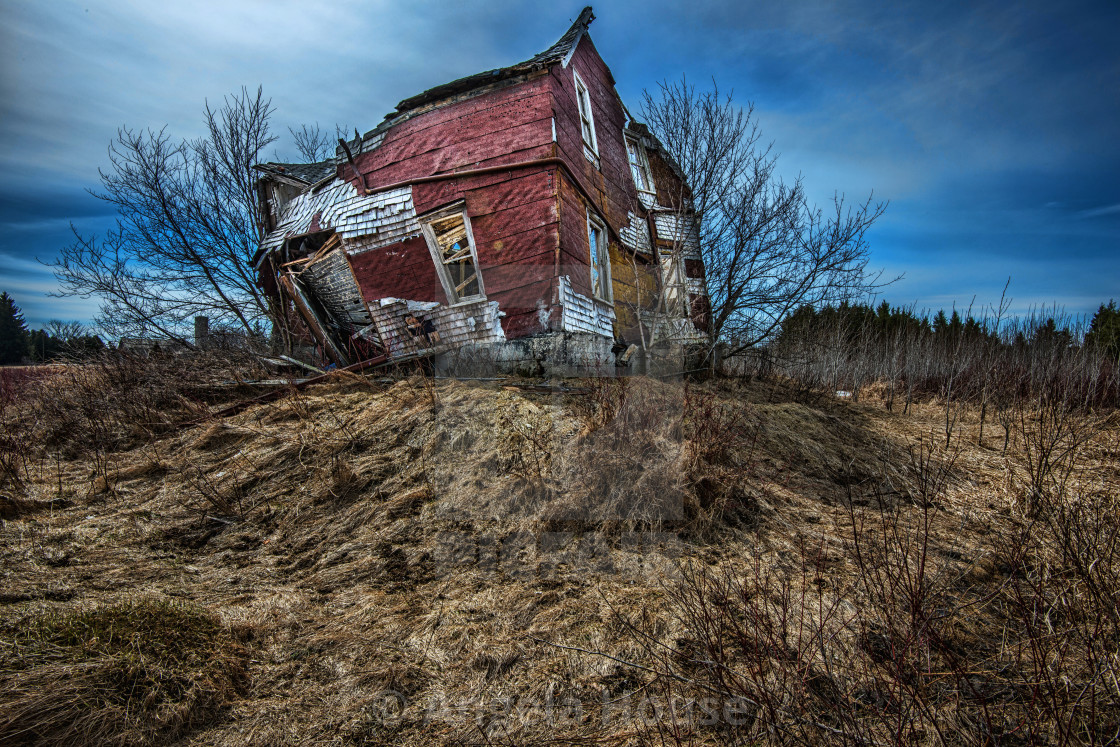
column 508, row 125
column 529, row 224
column 403, row 270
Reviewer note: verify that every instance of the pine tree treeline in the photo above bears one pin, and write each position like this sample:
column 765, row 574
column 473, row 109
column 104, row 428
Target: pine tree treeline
column 58, row 340
column 884, row 321
column 950, row 355
column 1104, row 331
column 13, row 332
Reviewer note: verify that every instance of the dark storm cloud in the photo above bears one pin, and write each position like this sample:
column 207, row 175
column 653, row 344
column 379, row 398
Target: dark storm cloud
column 990, row 126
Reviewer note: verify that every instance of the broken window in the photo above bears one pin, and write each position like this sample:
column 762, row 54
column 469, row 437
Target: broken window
column 449, row 237
column 586, row 120
column 639, row 167
column 600, row 258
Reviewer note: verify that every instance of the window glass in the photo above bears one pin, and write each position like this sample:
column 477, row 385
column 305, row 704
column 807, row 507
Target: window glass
column 586, row 119
column 638, row 166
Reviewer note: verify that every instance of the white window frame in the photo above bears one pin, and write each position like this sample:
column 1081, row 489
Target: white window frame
column 674, row 282
column 643, row 164
column 426, row 221
column 581, row 99
column 600, row 259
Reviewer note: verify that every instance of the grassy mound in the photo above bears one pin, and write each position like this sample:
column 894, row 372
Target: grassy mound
column 424, row 562
column 121, row 674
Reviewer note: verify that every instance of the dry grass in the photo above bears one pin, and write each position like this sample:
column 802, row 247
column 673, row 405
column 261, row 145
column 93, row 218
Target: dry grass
column 123, row 674
column 406, row 563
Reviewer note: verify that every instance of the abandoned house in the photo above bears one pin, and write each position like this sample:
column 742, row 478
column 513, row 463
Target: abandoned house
column 519, row 204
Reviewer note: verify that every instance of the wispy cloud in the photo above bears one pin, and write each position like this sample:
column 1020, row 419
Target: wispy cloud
column 1099, row 211
column 30, row 283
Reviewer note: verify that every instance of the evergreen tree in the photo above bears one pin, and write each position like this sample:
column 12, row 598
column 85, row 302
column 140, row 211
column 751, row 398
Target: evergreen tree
column 13, row 332
column 940, row 323
column 1050, row 338
column 955, row 324
column 1104, row 330
column 44, row 346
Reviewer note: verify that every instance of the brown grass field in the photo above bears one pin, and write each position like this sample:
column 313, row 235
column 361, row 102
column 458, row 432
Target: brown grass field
column 633, row 562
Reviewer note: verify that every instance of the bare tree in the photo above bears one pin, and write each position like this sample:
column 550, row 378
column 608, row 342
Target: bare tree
column 314, row 144
column 65, row 331
column 187, row 230
column 766, row 248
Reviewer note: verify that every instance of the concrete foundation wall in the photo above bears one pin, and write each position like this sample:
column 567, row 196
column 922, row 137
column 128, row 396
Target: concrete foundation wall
column 561, row 355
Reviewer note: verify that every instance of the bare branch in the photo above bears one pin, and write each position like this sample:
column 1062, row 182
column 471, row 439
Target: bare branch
column 187, row 230
column 313, row 143
column 766, row 249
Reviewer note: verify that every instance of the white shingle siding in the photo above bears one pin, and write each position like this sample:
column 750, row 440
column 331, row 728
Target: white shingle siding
column 681, row 231
column 582, row 314
column 473, row 322
column 635, row 234
column 363, row 222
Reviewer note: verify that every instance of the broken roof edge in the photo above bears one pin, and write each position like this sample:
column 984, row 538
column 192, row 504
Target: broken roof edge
column 298, row 174
column 479, row 83
column 561, row 52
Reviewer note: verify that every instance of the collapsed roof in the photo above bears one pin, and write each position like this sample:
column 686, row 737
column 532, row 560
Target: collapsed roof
column 301, row 174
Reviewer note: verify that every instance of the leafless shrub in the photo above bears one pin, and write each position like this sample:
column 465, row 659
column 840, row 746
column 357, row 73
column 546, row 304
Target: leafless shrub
column 656, row 455
column 1053, row 425
column 621, row 470
column 1060, row 602
column 919, row 643
column 17, row 437
column 15, row 449
column 532, row 442
column 723, row 439
column 115, row 401
column 227, row 497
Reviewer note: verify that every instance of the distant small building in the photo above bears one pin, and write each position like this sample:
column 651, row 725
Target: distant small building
column 519, row 202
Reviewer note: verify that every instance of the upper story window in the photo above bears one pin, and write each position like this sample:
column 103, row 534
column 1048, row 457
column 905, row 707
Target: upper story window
column 639, row 166
column 449, row 237
column 586, row 119
column 600, row 259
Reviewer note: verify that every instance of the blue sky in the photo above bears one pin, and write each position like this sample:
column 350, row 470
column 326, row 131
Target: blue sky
column 992, row 128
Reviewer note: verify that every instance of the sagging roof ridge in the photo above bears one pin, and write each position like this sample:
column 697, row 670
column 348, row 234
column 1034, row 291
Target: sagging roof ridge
column 560, row 51
column 556, row 53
